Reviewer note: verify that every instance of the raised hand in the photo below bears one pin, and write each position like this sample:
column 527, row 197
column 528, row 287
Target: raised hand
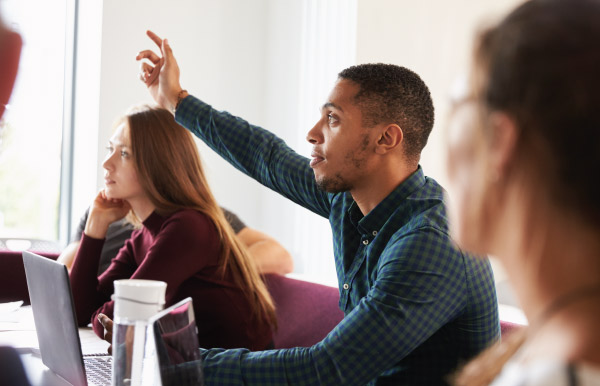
column 161, row 75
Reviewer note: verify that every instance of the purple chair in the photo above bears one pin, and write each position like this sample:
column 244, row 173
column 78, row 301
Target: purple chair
column 306, row 312
column 506, row 328
column 13, row 285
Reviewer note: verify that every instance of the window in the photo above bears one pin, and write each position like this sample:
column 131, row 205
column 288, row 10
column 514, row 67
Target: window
column 32, row 126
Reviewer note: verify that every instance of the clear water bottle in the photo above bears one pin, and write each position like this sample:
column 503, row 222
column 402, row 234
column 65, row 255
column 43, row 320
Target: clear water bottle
column 135, row 302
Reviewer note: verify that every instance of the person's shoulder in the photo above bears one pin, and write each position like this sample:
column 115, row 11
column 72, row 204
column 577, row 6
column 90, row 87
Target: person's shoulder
column 189, row 221
column 188, row 216
column 427, row 206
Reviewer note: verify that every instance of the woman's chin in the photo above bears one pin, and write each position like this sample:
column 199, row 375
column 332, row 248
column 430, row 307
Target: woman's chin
column 110, row 194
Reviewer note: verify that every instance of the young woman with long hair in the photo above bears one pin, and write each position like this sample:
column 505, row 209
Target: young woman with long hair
column 153, row 174
column 524, row 161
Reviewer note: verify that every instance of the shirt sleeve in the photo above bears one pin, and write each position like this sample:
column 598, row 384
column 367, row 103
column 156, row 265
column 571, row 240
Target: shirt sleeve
column 117, row 234
column 234, row 221
column 408, row 302
column 79, row 231
column 255, row 152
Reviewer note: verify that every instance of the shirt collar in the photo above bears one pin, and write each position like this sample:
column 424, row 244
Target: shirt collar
column 375, row 219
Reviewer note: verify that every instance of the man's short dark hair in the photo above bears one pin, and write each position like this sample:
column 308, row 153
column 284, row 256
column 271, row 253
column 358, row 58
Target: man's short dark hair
column 394, row 94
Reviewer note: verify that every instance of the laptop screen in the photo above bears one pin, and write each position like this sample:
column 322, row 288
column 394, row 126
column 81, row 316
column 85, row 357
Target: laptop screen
column 54, row 316
column 176, row 345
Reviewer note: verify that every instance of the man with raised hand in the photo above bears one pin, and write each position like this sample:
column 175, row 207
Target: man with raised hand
column 415, row 306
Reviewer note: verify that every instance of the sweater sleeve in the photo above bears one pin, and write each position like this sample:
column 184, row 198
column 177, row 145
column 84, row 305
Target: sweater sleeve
column 186, row 242
column 88, row 294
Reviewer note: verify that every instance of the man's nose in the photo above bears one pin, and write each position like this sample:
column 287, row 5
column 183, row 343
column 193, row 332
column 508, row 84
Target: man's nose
column 315, row 135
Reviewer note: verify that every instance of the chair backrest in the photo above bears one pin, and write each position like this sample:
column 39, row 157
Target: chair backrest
column 13, row 285
column 306, row 312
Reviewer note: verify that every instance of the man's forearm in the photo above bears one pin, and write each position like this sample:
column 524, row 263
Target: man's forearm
column 256, row 152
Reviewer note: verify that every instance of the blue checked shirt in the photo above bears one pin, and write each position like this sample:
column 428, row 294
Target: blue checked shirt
column 415, row 306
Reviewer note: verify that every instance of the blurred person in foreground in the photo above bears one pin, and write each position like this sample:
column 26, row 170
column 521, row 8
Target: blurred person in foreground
column 524, row 161
column 10, row 53
column 12, row 371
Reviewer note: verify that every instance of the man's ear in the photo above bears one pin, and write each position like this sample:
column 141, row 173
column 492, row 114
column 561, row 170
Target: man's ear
column 389, row 139
column 505, row 134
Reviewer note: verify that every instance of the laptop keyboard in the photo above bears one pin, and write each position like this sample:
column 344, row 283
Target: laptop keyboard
column 98, row 369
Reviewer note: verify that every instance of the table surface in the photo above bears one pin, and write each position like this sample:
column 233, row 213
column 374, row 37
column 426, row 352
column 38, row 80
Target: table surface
column 17, row 329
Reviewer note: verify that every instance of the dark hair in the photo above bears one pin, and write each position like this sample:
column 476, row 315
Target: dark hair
column 541, row 65
column 394, row 94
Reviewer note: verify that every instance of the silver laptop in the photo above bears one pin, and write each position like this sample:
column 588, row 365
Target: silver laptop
column 56, row 324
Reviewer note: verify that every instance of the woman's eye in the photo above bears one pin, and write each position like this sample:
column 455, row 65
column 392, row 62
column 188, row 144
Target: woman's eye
column 124, row 153
column 331, row 119
column 109, row 149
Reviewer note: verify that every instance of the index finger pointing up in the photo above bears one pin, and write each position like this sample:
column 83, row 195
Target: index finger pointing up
column 154, row 38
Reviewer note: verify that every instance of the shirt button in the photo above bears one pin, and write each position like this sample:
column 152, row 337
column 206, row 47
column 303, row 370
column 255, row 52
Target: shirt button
column 374, row 233
column 365, row 242
column 346, row 286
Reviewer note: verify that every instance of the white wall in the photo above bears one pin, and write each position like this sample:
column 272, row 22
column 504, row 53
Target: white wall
column 220, row 46
column 432, row 38
column 239, row 56
column 247, row 57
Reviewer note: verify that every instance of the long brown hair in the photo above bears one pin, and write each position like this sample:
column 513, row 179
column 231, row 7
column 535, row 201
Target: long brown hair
column 540, row 66
column 170, row 172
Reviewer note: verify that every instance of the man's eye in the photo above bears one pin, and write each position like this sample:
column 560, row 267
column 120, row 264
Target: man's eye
column 331, row 119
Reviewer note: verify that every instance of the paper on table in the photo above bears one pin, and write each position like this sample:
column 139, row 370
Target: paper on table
column 7, row 311
column 19, row 320
column 10, row 307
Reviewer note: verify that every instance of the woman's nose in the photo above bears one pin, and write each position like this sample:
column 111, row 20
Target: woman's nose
column 108, row 161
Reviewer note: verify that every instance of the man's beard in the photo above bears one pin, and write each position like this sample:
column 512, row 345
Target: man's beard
column 335, row 184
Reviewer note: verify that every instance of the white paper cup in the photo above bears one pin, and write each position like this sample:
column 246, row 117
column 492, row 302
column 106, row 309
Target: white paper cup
column 138, row 299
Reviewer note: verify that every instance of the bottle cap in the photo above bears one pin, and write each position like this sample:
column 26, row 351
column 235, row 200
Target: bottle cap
column 137, row 299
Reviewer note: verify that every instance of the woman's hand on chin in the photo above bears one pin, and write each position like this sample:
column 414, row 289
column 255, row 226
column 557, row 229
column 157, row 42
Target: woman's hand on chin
column 103, row 212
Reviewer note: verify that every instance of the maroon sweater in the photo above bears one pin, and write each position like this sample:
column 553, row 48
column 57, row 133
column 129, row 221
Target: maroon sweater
column 182, row 250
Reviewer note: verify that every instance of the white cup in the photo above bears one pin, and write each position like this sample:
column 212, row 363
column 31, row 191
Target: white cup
column 138, row 299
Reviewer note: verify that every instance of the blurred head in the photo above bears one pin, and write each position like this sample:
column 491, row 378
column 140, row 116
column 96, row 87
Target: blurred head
column 169, row 172
column 10, row 53
column 528, row 128
column 365, row 103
